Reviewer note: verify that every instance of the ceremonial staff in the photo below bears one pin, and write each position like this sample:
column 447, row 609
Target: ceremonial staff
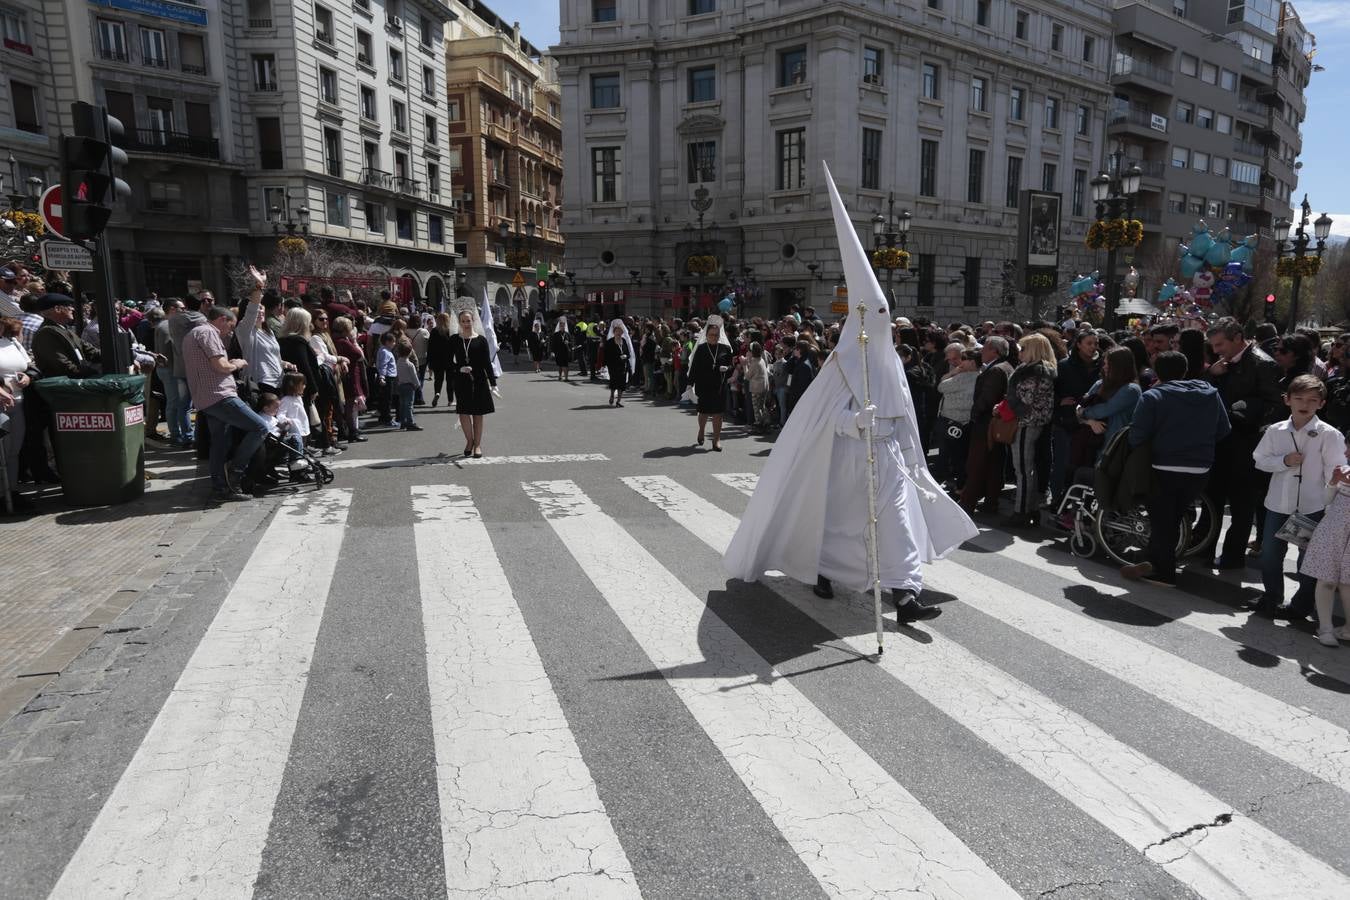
column 872, row 559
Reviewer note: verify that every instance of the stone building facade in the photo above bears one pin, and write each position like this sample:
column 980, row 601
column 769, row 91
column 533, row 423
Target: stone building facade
column 950, row 106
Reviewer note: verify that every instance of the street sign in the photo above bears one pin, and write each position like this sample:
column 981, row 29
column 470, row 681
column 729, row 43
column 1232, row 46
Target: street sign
column 49, row 205
column 518, row 281
column 839, row 307
column 64, row 256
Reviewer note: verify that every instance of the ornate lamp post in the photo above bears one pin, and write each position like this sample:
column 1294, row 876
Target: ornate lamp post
column 1300, row 263
column 700, row 263
column 518, row 256
column 1115, row 226
column 22, row 223
column 301, row 222
column 890, row 240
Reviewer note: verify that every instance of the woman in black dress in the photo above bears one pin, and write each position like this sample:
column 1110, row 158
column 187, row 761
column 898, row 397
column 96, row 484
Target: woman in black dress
column 619, row 359
column 474, row 381
column 438, row 355
column 538, row 345
column 561, row 346
column 709, row 366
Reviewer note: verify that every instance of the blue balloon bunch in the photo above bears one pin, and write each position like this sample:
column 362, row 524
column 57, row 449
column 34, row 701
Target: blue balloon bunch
column 1244, row 252
column 1230, row 279
column 1167, row 291
column 1205, row 249
column 725, row 304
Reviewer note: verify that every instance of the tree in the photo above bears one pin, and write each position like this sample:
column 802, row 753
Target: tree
column 319, row 261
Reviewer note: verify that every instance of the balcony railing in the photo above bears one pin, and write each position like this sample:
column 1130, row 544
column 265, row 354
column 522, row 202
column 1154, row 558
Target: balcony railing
column 265, row 87
column 1248, row 148
column 155, row 62
column 190, row 69
column 1152, row 168
column 259, row 23
column 113, row 54
column 176, row 143
column 1252, row 107
column 1243, row 188
column 388, row 181
column 18, row 46
column 1149, row 216
column 1142, row 117
column 1256, row 65
column 1125, row 65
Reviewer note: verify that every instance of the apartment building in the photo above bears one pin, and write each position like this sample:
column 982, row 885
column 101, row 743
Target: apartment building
column 1207, row 100
column 27, row 96
column 504, row 113
column 951, row 106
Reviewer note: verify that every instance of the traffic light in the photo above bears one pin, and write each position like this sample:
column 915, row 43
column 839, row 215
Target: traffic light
column 542, row 284
column 1270, row 307
column 89, row 183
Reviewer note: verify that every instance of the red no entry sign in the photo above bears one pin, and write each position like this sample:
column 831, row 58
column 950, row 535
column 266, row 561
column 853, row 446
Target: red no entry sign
column 49, row 205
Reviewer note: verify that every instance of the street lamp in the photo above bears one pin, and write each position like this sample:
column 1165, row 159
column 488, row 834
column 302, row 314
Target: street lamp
column 701, row 202
column 1298, row 250
column 890, row 232
column 1113, row 194
column 519, row 257
column 17, row 200
column 301, row 214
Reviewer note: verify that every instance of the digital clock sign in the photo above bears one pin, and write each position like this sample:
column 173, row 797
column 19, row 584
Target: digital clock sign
column 1039, row 280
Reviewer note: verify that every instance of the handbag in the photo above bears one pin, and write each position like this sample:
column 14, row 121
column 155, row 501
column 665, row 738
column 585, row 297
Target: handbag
column 1003, row 425
column 1297, row 530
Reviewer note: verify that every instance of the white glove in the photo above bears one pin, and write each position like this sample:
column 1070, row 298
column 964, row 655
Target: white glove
column 865, row 418
column 467, row 370
column 496, row 393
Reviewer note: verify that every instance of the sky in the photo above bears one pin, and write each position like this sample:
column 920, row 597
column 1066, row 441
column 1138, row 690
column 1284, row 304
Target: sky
column 1328, row 95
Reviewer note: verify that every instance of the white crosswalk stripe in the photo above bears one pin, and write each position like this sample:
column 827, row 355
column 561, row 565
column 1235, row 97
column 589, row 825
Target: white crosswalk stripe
column 509, row 771
column 193, row 806
column 1135, row 797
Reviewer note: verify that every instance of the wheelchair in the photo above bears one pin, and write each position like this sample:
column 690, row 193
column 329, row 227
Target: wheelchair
column 1123, row 535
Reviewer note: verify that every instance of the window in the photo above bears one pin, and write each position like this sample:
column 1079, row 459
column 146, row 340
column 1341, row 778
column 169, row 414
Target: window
column 1052, row 113
column 792, row 66
column 337, row 208
column 401, row 171
column 605, row 91
column 605, row 174
column 452, row 111
column 1190, row 65
column 1185, row 112
column 1245, row 172
column 1214, row 209
column 970, row 295
column 323, row 25
column 166, row 196
column 370, row 155
column 269, row 143
column 1079, row 192
column 1176, row 202
column 429, row 82
column 975, row 176
column 400, row 110
column 982, row 13
column 424, row 32
column 1089, row 48
column 604, row 10
column 1022, row 26
column 1219, row 165
column 433, row 179
column 979, row 94
column 791, row 147
column 1204, row 118
column 928, row 158
column 265, row 73
column 927, row 277
column 871, row 159
column 935, row 4
column 1049, row 176
column 431, row 131
column 368, row 107
column 364, row 53
column 328, row 85
column 191, row 54
column 435, row 229
column 1014, row 182
column 931, row 78
column 1179, row 8
column 26, row 107
column 198, row 120
column 112, row 40
column 702, row 161
column 154, row 50
column 1057, row 38
column 699, row 7
column 396, row 64
column 1209, row 73
column 1199, row 161
column 403, row 223
column 1017, row 98
column 274, row 198
column 160, row 110
column 1196, row 205
column 873, row 59
column 374, row 217
column 1181, row 158
column 1228, row 80
column 702, row 84
column 1084, row 124
column 14, row 29
column 332, row 152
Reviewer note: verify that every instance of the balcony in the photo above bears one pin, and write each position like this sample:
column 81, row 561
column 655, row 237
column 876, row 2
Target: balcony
column 190, row 69
column 155, row 62
column 1257, row 66
column 1252, row 107
column 265, row 87
column 1139, row 122
column 177, row 143
column 1152, row 168
column 1244, row 189
column 388, row 181
column 1248, row 148
column 114, row 54
column 1149, row 216
column 1126, row 68
column 18, row 46
column 259, row 23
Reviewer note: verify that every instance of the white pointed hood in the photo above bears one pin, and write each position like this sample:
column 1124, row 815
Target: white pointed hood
column 888, row 391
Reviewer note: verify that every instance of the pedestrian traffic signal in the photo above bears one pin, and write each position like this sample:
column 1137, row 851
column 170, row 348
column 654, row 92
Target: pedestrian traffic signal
column 542, row 284
column 89, row 182
column 1270, row 307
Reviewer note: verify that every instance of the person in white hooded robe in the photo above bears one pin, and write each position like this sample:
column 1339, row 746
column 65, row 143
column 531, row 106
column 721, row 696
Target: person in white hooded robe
column 815, row 529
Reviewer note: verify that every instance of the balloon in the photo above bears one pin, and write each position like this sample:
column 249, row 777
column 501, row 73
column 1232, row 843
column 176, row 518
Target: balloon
column 1168, row 290
column 724, row 304
column 1187, row 297
column 1217, row 255
column 1190, row 265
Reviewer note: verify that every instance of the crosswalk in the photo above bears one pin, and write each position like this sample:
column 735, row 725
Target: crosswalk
column 939, row 769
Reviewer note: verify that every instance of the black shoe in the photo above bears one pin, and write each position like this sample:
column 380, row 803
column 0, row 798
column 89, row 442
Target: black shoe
column 1292, row 613
column 1267, row 610
column 358, row 439
column 823, row 589
column 1227, row 562
column 411, row 427
column 909, row 609
column 228, row 494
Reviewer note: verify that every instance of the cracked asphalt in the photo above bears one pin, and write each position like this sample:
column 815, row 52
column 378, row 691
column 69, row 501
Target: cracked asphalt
column 629, row 723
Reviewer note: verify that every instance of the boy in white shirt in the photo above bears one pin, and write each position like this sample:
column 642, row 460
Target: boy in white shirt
column 1301, row 453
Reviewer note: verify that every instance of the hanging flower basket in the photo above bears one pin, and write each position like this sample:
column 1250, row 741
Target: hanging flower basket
column 30, row 223
column 1109, row 234
column 890, row 258
column 518, row 259
column 292, row 246
column 703, row 264
column 1301, row 266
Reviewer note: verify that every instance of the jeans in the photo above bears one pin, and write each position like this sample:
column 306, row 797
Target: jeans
column 1169, row 498
column 780, row 394
column 176, row 404
column 406, row 394
column 1029, row 494
column 1273, row 552
column 221, row 417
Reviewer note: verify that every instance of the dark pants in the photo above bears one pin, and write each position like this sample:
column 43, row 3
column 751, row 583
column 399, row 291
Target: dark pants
column 984, row 469
column 386, row 399
column 952, row 453
column 222, row 417
column 439, row 379
column 1273, row 552
column 1169, row 498
column 1237, row 484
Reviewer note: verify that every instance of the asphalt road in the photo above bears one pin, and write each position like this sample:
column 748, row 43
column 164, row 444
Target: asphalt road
column 528, row 677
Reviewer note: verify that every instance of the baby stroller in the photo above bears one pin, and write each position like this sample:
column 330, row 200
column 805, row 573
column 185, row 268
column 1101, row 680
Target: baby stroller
column 301, row 465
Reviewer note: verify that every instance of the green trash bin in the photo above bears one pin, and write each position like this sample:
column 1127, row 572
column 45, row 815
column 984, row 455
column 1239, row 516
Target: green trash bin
column 98, row 425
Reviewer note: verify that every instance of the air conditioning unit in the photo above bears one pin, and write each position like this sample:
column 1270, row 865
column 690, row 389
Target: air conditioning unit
column 395, row 23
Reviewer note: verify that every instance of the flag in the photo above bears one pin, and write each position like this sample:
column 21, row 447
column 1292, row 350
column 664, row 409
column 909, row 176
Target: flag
column 490, row 332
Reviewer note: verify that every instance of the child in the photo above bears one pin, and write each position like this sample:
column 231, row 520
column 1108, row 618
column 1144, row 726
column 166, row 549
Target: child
column 1328, row 559
column 1302, row 454
column 286, row 428
column 386, row 372
column 408, row 385
column 292, row 403
column 757, row 377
